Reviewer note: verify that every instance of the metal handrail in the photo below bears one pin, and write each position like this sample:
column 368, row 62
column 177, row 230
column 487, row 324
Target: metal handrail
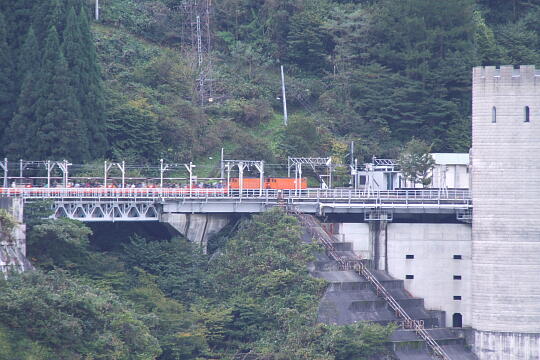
column 377, row 198
column 409, row 323
column 311, row 224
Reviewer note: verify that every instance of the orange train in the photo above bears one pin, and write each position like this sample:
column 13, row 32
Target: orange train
column 269, row 183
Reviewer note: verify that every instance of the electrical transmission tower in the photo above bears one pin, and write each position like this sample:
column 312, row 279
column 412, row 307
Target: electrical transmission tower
column 197, row 36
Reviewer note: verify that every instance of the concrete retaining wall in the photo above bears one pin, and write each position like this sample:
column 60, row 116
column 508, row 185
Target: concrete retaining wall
column 358, row 235
column 433, row 247
column 433, row 266
column 507, row 346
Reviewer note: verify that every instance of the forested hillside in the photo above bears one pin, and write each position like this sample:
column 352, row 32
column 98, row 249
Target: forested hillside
column 379, row 72
column 376, row 71
column 134, row 298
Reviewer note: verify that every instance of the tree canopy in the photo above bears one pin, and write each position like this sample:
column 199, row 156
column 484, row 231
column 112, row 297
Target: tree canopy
column 165, row 299
column 60, row 98
column 379, row 72
column 416, row 162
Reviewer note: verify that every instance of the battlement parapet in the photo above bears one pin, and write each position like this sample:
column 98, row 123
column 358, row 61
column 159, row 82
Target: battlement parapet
column 505, row 73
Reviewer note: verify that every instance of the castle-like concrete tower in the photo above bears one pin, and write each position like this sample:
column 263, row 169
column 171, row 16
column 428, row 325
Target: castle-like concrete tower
column 506, row 218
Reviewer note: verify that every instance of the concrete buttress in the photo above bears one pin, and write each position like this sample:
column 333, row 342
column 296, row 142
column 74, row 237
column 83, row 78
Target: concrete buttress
column 197, row 228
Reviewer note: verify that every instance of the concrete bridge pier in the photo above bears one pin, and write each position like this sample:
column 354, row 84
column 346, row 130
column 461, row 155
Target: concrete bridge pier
column 197, row 228
column 378, row 234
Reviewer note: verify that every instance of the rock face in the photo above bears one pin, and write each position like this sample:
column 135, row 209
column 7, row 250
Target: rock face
column 13, row 238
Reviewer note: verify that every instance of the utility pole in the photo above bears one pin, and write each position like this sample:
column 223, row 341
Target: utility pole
column 352, row 154
column 285, row 119
column 355, row 174
column 189, row 167
column 352, row 166
column 162, row 170
column 105, row 169
column 97, row 10
column 4, row 166
column 222, row 167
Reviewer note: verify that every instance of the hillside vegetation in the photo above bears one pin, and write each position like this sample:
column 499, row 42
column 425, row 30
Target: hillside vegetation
column 379, row 72
column 164, row 299
column 376, row 71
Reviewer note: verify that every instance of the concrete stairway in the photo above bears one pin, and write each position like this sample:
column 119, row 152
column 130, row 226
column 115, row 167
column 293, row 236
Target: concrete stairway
column 350, row 298
column 407, row 346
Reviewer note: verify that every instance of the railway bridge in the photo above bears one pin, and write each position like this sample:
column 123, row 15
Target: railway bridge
column 150, row 204
column 198, row 213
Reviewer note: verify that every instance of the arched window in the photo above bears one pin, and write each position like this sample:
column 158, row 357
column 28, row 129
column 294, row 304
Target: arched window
column 527, row 114
column 457, row 320
column 494, row 114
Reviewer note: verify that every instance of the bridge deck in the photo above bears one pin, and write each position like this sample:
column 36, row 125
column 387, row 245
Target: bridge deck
column 145, row 204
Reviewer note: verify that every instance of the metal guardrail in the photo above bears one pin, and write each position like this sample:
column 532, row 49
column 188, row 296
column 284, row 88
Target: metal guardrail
column 389, row 196
column 144, row 204
column 407, row 322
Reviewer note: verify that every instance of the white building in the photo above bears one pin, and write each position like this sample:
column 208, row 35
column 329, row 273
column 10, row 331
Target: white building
column 451, row 170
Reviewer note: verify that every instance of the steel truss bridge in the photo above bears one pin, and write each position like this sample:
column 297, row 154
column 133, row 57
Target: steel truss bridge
column 148, row 204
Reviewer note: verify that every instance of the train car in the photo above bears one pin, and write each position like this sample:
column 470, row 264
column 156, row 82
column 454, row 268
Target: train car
column 269, row 183
column 247, row 183
column 285, row 183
